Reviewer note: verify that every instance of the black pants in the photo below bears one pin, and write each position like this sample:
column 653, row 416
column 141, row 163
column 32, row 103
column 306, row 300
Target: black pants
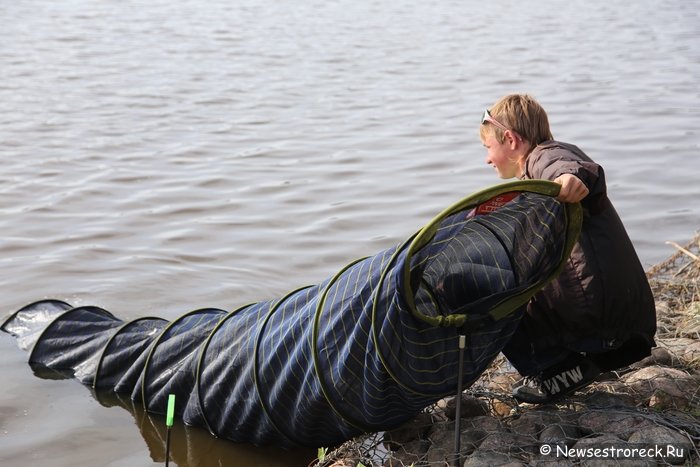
column 530, row 356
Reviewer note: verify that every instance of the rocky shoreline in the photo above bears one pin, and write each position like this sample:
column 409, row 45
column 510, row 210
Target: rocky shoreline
column 647, row 414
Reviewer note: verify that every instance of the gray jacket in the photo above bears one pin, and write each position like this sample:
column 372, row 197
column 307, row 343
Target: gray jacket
column 602, row 297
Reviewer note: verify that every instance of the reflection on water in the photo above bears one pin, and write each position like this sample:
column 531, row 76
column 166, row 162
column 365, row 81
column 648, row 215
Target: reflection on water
column 193, row 446
column 189, row 446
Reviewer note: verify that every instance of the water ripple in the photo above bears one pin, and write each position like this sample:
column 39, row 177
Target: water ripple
column 210, row 152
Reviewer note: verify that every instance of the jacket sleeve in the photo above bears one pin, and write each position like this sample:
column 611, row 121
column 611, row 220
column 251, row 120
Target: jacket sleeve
column 549, row 165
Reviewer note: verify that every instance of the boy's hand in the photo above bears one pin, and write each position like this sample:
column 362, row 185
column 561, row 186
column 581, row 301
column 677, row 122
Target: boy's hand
column 572, row 190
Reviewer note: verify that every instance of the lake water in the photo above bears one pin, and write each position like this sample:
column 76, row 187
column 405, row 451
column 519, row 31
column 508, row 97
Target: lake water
column 159, row 157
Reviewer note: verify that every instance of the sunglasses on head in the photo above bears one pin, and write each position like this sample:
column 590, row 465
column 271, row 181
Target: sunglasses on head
column 487, row 118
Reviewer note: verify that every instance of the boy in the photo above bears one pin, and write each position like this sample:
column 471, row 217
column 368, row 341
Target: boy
column 598, row 314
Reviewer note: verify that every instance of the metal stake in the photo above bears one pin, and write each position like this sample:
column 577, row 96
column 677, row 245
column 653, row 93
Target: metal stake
column 169, row 424
column 458, row 402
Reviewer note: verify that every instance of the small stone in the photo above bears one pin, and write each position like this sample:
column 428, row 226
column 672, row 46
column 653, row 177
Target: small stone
column 612, row 452
column 528, row 424
column 442, row 439
column 441, row 433
column 470, row 440
column 480, row 459
column 618, row 463
column 560, row 434
column 622, row 423
column 686, row 349
column 470, row 407
column 410, row 453
column 544, row 462
column 508, row 443
column 653, row 373
column 659, row 356
column 605, row 399
column 583, row 452
column 485, row 423
column 664, row 388
column 412, row 430
column 440, row 455
column 501, row 408
column 604, row 440
column 673, row 446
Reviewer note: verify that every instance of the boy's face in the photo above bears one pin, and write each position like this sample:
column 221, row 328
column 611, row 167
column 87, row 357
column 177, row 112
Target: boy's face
column 501, row 156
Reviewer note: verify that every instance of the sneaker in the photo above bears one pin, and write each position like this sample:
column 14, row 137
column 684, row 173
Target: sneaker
column 554, row 383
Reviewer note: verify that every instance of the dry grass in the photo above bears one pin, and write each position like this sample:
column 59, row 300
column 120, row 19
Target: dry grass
column 676, row 286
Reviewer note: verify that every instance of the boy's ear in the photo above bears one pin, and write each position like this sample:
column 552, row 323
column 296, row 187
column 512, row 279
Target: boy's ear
column 512, row 139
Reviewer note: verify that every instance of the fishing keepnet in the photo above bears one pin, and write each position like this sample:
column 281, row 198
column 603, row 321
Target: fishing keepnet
column 365, row 350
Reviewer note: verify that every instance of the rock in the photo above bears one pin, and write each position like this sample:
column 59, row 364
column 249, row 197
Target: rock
column 470, row 407
column 502, row 408
column 484, row 423
column 608, row 400
column 622, row 422
column 618, row 462
column 692, row 354
column 686, row 349
column 471, row 435
column 495, row 430
column 560, row 434
column 480, row 459
column 441, row 433
column 659, row 356
column 584, row 451
column 673, row 446
column 412, row 452
column 551, row 463
column 415, row 429
column 470, row 440
column 664, row 388
column 509, row 443
column 607, row 439
column 440, row 455
column 653, row 373
column 529, row 424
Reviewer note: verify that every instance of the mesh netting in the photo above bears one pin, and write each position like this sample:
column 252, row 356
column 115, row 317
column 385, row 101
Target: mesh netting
column 363, row 351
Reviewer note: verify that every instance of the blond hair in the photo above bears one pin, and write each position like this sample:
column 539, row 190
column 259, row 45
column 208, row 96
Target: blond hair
column 522, row 114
